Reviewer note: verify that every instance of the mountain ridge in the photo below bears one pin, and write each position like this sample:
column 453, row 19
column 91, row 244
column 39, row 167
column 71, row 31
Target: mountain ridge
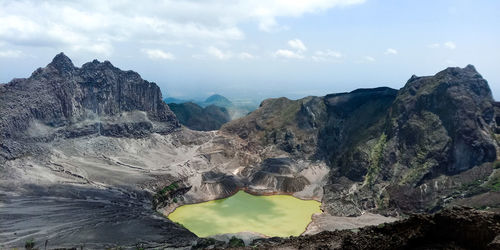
column 385, row 145
column 62, row 100
column 100, row 141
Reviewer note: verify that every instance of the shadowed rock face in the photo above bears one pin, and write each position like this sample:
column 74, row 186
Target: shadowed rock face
column 449, row 229
column 461, row 101
column 107, row 131
column 353, row 118
column 62, row 100
column 406, row 150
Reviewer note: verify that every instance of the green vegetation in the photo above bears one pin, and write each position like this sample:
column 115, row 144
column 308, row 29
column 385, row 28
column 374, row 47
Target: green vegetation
column 169, row 188
column 375, row 160
column 496, row 164
column 163, row 194
column 420, row 166
column 494, row 181
column 471, row 185
column 416, row 173
column 30, row 244
column 236, row 242
column 288, row 114
column 382, row 199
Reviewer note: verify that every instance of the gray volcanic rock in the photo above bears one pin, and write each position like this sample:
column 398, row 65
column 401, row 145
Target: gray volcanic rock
column 291, row 125
column 436, row 129
column 459, row 99
column 456, row 228
column 72, row 217
column 219, row 184
column 62, row 100
column 279, row 175
column 353, row 118
column 389, row 151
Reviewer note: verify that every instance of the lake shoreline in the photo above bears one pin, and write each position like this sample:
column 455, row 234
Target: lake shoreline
column 268, row 215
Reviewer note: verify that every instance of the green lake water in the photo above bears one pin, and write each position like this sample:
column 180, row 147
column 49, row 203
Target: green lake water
column 275, row 215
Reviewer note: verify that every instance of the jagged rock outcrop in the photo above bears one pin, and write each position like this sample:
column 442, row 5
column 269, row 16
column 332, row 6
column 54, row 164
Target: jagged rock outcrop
column 289, row 125
column 388, row 150
column 457, row 228
column 62, row 100
column 101, row 138
column 277, row 175
column 456, row 102
column 196, row 117
column 218, row 185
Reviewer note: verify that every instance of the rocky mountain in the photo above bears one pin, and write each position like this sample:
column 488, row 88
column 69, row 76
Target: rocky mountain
column 91, row 155
column 62, row 100
column 416, row 149
column 196, row 117
column 96, row 147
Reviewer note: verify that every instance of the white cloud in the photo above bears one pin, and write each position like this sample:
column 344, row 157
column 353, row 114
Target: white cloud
column 266, row 12
column 450, row 45
column 225, row 55
column 284, row 53
column 97, row 26
column 434, row 45
column 297, row 44
column 11, row 53
column 369, row 59
column 327, row 55
column 158, row 54
column 219, row 54
column 391, row 51
column 246, row 56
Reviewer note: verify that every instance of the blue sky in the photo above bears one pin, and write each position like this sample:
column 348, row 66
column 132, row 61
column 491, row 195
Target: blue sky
column 255, row 49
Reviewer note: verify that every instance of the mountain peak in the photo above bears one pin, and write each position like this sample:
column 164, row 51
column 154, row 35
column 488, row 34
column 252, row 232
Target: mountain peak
column 217, row 100
column 468, row 71
column 215, row 97
column 62, row 63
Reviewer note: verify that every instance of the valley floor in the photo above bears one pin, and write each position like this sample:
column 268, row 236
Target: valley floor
column 96, row 191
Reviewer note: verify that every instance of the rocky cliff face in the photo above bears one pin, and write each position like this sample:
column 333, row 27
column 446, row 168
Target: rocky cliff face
column 98, row 135
column 457, row 103
column 448, row 229
column 415, row 149
column 62, row 100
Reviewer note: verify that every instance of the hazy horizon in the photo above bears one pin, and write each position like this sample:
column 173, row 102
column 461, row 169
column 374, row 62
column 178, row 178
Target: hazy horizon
column 256, row 50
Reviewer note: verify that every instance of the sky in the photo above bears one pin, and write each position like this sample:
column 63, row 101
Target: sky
column 256, row 49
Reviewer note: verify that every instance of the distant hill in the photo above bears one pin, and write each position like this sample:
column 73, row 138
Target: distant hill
column 217, row 100
column 169, row 100
column 196, row 117
column 235, row 109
